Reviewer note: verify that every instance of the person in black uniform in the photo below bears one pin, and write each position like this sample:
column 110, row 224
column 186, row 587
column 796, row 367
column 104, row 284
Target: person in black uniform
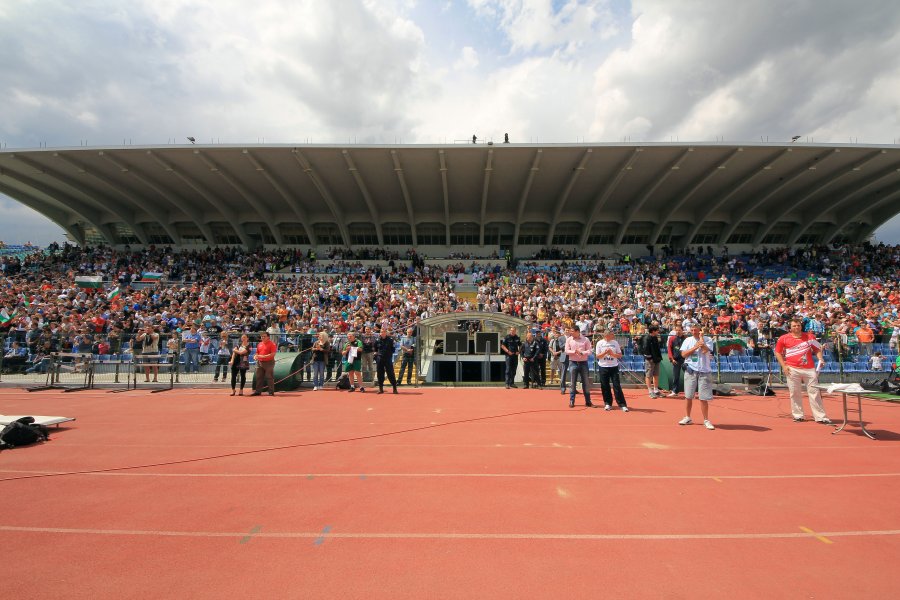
column 510, row 345
column 384, row 360
column 541, row 360
column 530, row 350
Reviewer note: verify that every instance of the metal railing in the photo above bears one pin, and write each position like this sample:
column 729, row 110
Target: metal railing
column 735, row 358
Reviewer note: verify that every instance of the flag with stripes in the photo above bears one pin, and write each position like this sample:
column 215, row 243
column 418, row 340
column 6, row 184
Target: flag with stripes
column 151, row 276
column 5, row 317
column 114, row 293
column 90, row 282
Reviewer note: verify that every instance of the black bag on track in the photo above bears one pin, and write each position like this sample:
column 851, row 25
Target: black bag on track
column 23, row 432
column 344, row 382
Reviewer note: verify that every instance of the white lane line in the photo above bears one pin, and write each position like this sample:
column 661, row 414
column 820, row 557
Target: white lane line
column 464, row 475
column 509, row 445
column 455, row 536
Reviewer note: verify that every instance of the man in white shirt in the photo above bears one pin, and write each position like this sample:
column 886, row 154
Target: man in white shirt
column 697, row 352
column 608, row 353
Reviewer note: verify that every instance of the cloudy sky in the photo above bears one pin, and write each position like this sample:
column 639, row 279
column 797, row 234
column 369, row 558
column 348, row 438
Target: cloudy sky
column 100, row 72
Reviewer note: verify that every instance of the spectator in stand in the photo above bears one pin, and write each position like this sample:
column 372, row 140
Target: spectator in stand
column 876, row 362
column 865, row 336
column 794, row 352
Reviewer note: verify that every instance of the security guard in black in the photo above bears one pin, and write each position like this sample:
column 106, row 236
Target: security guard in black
column 510, row 346
column 384, row 360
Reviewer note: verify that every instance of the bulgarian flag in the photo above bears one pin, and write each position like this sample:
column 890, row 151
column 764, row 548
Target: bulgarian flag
column 151, row 276
column 113, row 294
column 5, row 317
column 727, row 345
column 90, row 282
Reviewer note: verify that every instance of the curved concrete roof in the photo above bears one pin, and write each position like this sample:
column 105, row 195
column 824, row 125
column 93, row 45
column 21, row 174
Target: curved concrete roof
column 570, row 195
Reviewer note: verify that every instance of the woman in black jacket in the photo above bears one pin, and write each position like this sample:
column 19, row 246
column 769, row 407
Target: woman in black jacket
column 240, row 362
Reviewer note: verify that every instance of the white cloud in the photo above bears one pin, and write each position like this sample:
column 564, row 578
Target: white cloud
column 699, row 70
column 389, row 70
column 468, row 59
column 537, row 24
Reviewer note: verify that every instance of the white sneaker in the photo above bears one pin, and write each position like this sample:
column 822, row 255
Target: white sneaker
column 624, row 409
column 686, row 421
column 607, row 407
column 315, row 388
column 708, row 425
column 671, row 394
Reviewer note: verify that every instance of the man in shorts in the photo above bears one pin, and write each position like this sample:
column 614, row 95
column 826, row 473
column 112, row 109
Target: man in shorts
column 697, row 352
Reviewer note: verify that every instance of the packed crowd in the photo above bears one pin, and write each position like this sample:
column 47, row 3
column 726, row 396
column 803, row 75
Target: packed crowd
column 231, row 290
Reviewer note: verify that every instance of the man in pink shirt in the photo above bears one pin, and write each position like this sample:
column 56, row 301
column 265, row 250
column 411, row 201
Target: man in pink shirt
column 578, row 348
column 794, row 352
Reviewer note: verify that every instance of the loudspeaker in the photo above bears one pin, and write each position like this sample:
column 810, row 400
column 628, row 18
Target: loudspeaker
column 456, row 342
column 483, row 338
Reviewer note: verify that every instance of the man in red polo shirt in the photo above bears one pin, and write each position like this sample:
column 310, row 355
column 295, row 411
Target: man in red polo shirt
column 265, row 365
column 794, row 352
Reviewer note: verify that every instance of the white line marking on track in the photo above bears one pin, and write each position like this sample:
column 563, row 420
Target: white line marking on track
column 463, row 475
column 454, row 536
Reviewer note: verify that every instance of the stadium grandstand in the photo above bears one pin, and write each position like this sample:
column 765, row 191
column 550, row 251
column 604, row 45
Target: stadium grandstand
column 300, row 241
column 515, row 199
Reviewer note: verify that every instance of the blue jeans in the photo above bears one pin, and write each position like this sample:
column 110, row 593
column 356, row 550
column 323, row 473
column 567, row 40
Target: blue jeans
column 563, row 374
column 318, row 370
column 512, row 364
column 576, row 370
column 192, row 360
column 406, row 366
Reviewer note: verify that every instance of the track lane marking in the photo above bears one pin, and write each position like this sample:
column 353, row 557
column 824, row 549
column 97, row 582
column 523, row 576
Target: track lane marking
column 818, row 536
column 455, row 536
column 467, row 475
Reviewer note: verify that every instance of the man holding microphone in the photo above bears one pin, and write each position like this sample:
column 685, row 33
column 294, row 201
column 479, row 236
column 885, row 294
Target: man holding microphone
column 794, row 353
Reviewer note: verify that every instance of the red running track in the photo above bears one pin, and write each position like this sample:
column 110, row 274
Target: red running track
column 445, row 493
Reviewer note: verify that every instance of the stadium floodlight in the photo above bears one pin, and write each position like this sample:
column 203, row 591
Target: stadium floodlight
column 795, row 138
column 191, row 140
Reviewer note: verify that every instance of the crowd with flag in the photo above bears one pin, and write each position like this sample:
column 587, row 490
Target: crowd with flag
column 66, row 295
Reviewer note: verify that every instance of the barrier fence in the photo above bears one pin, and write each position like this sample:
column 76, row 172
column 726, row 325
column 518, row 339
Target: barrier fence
column 129, row 362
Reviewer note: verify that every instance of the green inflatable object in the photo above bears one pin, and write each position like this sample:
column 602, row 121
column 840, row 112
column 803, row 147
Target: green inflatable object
column 665, row 374
column 287, row 366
